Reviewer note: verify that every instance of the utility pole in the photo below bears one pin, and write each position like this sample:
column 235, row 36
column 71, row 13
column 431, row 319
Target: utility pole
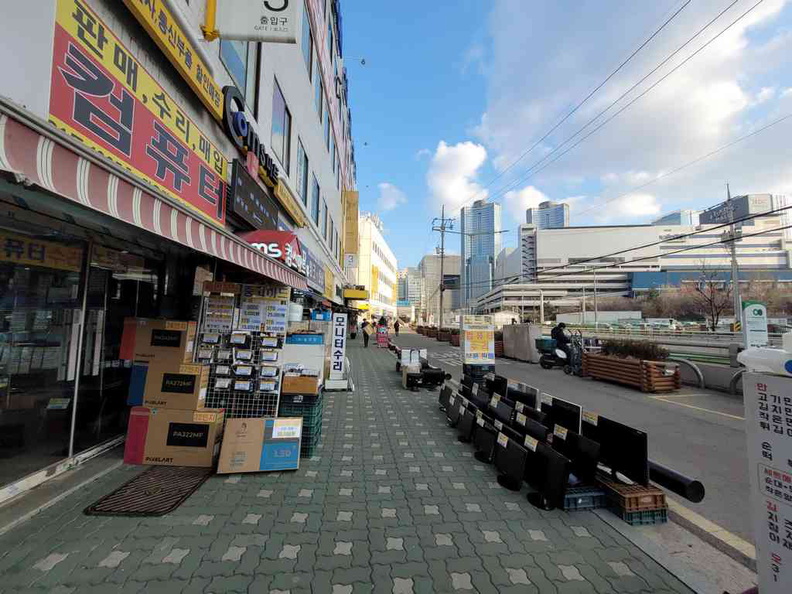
column 735, row 267
column 444, row 225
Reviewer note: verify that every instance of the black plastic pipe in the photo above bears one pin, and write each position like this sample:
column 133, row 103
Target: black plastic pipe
column 686, row 487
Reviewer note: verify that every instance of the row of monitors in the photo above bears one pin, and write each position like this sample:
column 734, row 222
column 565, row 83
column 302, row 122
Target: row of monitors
column 623, row 449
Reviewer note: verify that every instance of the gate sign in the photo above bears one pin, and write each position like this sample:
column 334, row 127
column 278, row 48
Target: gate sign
column 258, row 20
column 338, row 351
column 102, row 95
column 754, row 324
column 478, row 340
column 768, row 418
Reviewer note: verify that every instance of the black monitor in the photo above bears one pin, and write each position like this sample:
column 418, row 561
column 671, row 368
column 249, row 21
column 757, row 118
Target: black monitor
column 480, row 401
column 499, row 385
column 433, row 377
column 623, row 449
column 550, row 477
column 484, row 439
column 583, row 453
column 524, row 425
column 442, row 399
column 510, row 461
column 465, row 391
column 467, row 380
column 517, row 394
column 452, row 411
column 546, row 405
column 504, row 412
column 466, row 425
column 567, row 414
column 531, row 413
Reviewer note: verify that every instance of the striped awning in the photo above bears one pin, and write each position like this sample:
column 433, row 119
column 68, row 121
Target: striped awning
column 49, row 162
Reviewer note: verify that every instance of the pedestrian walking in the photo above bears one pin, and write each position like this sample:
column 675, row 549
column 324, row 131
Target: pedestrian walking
column 396, row 325
column 365, row 327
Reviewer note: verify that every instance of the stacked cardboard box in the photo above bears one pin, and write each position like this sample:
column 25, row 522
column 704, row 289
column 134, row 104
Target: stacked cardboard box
column 169, row 424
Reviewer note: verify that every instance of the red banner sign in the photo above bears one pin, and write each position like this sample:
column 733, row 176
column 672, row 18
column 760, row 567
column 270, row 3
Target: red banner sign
column 281, row 245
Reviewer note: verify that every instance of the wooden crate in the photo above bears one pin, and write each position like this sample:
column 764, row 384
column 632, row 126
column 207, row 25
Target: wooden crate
column 647, row 376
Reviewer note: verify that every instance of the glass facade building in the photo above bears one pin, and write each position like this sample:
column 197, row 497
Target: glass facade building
column 548, row 215
column 480, row 246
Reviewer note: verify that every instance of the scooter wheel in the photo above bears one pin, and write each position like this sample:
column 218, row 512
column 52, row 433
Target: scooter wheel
column 545, row 364
column 568, row 369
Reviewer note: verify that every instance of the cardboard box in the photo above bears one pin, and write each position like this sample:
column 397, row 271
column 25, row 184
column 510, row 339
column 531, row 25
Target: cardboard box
column 164, row 341
column 182, row 387
column 260, row 445
column 300, row 384
column 166, row 437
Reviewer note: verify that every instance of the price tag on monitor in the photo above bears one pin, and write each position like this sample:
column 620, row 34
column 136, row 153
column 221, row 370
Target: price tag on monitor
column 531, row 443
column 519, row 406
column 546, row 399
column 498, row 425
column 461, row 408
column 522, row 419
column 503, row 441
column 452, row 399
column 590, row 418
column 559, row 432
column 474, row 389
column 494, row 401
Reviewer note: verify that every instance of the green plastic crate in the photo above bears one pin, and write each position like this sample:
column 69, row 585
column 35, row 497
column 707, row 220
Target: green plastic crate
column 643, row 518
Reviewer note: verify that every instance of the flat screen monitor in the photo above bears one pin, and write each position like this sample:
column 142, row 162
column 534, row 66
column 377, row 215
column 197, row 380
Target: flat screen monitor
column 466, row 425
column 510, row 461
column 545, row 404
column 467, row 380
column 525, row 425
column 518, row 395
column 445, row 394
column 499, row 385
column 549, row 474
column 623, row 449
column 567, row 414
column 465, row 391
column 452, row 411
column 480, row 401
column 583, row 454
column 531, row 413
column 504, row 413
column 484, row 439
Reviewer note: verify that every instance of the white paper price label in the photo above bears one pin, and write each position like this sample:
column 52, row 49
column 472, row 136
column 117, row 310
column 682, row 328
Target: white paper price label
column 498, row 425
column 503, row 441
column 452, row 399
column 546, row 399
column 475, row 389
column 559, row 432
column 480, row 421
column 461, row 409
column 522, row 419
column 222, row 383
column 590, row 418
column 531, row 443
column 494, row 401
column 519, row 406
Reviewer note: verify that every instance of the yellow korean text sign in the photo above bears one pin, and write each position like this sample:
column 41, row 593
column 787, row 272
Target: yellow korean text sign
column 29, row 251
column 478, row 340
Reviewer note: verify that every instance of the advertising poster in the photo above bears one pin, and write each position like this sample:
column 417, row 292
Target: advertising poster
column 754, row 324
column 219, row 316
column 768, row 416
column 478, row 340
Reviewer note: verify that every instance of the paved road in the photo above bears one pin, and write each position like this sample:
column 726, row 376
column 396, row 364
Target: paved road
column 697, row 432
column 392, row 502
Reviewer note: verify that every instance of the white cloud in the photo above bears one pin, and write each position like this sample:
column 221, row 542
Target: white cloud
column 628, row 208
column 453, row 172
column 424, row 152
column 390, row 197
column 764, row 95
column 516, row 202
column 787, row 92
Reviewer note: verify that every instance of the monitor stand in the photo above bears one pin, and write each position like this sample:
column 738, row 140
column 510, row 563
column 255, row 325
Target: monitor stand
column 482, row 457
column 539, row 501
column 508, row 482
column 463, row 439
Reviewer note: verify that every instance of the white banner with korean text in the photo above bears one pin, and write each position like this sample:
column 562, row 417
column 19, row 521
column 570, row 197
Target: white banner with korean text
column 338, row 349
column 258, row 20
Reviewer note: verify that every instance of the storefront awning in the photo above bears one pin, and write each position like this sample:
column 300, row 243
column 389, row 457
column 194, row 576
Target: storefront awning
column 63, row 166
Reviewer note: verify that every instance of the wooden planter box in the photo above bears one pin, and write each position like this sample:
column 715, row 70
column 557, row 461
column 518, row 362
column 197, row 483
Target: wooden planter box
column 431, row 332
column 421, row 330
column 443, row 336
column 455, row 340
column 499, row 348
column 647, row 376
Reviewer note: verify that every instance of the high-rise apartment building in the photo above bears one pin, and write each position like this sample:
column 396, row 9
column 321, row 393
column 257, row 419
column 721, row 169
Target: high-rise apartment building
column 378, row 269
column 410, row 284
column 429, row 269
column 480, row 245
column 548, row 215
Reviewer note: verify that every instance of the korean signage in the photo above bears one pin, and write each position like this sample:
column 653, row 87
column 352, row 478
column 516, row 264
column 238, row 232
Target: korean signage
column 103, row 96
column 314, row 271
column 259, row 20
column 29, row 251
column 338, row 348
column 158, row 21
column 249, row 201
column 280, row 245
column 754, row 324
column 478, row 340
column 768, row 414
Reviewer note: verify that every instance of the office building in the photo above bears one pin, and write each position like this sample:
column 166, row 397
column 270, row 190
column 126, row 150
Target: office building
column 126, row 182
column 429, row 269
column 684, row 216
column 480, row 245
column 410, row 284
column 548, row 215
column 378, row 271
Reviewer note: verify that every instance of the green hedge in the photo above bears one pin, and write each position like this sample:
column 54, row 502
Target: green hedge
column 637, row 349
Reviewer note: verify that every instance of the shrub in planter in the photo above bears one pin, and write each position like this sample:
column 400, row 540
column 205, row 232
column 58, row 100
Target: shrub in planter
column 635, row 349
column 633, row 363
column 444, row 334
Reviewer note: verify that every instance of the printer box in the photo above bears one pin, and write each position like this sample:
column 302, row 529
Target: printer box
column 260, row 445
column 167, row 437
column 166, row 342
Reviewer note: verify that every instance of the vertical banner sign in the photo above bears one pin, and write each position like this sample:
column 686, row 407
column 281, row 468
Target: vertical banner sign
column 768, row 414
column 478, row 340
column 754, row 324
column 338, row 352
column 258, row 20
column 103, row 96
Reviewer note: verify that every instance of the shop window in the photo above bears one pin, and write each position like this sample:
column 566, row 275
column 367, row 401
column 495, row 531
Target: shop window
column 302, row 172
column 324, row 219
column 281, row 128
column 316, row 199
column 307, row 41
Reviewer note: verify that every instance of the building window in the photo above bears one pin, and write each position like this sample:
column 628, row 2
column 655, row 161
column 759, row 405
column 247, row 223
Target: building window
column 316, row 193
column 307, row 42
column 240, row 59
column 333, row 153
column 319, row 92
column 330, row 51
column 302, row 172
column 327, row 126
column 281, row 128
column 324, row 219
column 338, row 176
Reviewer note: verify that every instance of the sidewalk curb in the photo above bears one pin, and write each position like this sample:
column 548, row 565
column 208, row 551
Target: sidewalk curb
column 727, row 543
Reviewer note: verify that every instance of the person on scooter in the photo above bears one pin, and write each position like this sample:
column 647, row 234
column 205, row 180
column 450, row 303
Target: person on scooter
column 562, row 340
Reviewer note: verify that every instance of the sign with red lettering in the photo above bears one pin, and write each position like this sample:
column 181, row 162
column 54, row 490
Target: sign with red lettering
column 280, row 245
column 103, row 96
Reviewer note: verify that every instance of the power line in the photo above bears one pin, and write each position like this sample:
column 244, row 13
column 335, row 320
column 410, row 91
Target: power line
column 532, row 171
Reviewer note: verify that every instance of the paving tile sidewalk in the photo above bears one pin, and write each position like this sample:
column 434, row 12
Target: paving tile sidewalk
column 390, row 503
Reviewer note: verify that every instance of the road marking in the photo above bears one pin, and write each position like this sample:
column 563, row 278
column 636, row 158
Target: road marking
column 675, row 396
column 715, row 412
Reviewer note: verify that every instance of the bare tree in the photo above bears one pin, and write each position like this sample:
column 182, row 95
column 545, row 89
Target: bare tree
column 713, row 295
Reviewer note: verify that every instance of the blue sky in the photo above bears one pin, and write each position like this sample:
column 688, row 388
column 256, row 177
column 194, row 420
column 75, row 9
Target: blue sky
column 453, row 92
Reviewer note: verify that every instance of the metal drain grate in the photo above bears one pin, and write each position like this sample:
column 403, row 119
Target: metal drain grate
column 155, row 492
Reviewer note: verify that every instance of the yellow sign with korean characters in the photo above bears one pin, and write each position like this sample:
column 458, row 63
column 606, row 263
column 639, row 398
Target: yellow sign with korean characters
column 29, row 251
column 163, row 28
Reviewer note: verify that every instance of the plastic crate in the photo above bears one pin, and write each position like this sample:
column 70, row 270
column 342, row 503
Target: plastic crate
column 311, row 414
column 643, row 518
column 583, row 498
column 300, row 398
column 632, row 498
column 545, row 344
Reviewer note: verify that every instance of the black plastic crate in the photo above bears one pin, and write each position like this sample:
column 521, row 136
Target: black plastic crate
column 584, row 498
